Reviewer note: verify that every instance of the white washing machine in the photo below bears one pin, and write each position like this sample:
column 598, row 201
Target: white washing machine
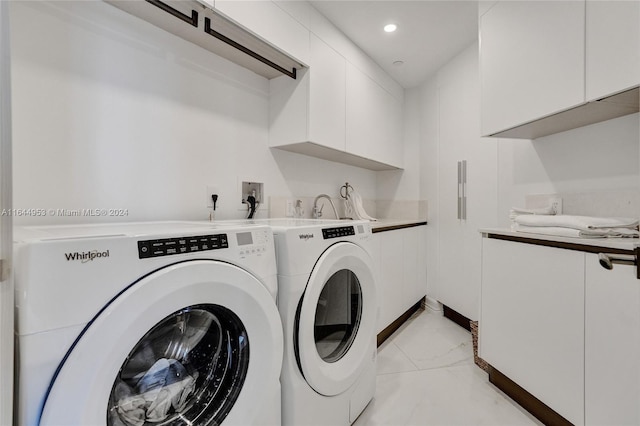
column 140, row 324
column 328, row 305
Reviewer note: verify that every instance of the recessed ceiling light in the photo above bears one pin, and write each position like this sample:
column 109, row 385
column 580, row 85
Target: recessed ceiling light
column 389, row 28
column 398, row 63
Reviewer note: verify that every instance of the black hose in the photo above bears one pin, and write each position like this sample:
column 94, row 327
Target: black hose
column 252, row 206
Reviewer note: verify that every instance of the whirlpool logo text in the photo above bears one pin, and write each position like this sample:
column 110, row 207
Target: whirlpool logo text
column 86, row 256
column 305, row 236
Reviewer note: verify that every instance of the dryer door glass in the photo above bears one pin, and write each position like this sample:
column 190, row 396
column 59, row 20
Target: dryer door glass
column 338, row 314
column 188, row 369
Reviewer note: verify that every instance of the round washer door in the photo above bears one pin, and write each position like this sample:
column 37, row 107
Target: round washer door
column 337, row 318
column 197, row 342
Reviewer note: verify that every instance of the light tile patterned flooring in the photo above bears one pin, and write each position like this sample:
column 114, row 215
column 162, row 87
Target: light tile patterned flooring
column 426, row 376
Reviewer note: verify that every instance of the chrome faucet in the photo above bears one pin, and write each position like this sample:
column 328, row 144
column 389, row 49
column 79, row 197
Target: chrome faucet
column 317, row 213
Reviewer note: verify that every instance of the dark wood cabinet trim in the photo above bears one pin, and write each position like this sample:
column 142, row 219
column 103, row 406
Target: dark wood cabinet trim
column 387, row 332
column 394, row 227
column 457, row 317
column 533, row 405
column 559, row 244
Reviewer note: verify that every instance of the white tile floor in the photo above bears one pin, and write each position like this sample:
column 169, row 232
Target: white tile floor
column 426, row 376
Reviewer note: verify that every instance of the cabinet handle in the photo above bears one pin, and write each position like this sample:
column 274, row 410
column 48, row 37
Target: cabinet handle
column 193, row 20
column 459, row 190
column 209, row 30
column 608, row 260
column 464, row 189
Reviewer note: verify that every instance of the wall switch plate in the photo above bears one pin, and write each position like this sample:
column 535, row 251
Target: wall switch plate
column 289, row 210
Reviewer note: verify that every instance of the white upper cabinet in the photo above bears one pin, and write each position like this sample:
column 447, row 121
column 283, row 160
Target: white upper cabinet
column 552, row 66
column 336, row 112
column 311, row 109
column 374, row 120
column 343, row 108
column 271, row 23
column 327, row 95
column 531, row 61
column 613, row 47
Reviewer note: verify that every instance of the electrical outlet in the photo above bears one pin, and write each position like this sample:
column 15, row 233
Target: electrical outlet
column 556, row 204
column 289, row 211
column 212, row 189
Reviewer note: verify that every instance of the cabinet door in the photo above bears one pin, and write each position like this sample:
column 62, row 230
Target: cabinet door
column 418, row 289
column 391, row 277
column 377, row 268
column 531, row 61
column 374, row 120
column 271, row 23
column 532, row 321
column 312, row 107
column 411, row 271
column 612, row 345
column 459, row 243
column 327, row 95
column 613, row 43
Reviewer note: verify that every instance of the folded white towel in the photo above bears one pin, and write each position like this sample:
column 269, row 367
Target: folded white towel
column 577, row 233
column 583, row 223
column 543, row 210
column 354, row 207
column 517, row 211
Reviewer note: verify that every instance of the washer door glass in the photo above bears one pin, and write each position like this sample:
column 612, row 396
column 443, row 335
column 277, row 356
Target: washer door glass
column 200, row 315
column 188, row 369
column 338, row 314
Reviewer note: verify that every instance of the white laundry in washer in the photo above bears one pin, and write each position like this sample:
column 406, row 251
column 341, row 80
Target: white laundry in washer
column 328, row 305
column 133, row 324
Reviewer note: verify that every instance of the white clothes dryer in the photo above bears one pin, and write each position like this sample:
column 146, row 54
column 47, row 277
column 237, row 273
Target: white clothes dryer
column 328, row 305
column 147, row 323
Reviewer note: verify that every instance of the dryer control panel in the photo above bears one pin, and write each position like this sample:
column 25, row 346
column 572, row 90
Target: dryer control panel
column 342, row 231
column 180, row 245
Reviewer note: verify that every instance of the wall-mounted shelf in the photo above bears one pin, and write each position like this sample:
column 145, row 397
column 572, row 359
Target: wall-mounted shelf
column 205, row 27
column 319, row 151
column 593, row 112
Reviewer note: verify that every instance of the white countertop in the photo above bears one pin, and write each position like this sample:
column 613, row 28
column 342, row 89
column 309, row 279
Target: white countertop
column 612, row 243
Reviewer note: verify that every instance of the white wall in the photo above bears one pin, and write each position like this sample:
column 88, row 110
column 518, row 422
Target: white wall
column 588, row 166
column 112, row 112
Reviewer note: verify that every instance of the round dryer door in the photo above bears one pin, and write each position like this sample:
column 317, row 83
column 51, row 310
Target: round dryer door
column 336, row 324
column 197, row 342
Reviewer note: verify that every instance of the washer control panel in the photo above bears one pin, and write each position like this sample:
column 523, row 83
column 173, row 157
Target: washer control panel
column 342, row 231
column 180, row 245
column 252, row 242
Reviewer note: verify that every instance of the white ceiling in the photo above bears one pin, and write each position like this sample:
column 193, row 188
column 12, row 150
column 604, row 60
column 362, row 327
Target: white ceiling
column 429, row 33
